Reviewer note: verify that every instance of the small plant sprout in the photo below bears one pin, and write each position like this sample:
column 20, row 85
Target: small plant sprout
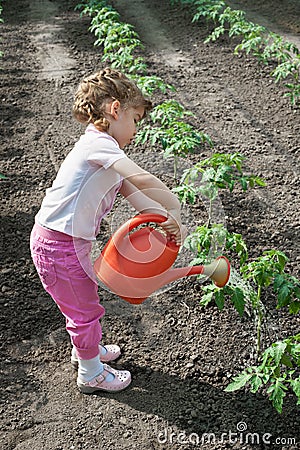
column 278, row 372
column 255, row 39
column 207, row 242
column 287, row 290
column 208, row 9
column 119, row 40
column 169, row 112
column 289, row 70
column 227, row 20
column 262, row 272
column 278, row 49
column 90, row 7
column 177, row 137
column 150, row 84
column 220, row 171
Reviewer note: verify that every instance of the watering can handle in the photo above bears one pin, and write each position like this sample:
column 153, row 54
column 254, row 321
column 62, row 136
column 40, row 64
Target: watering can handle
column 135, row 222
column 144, row 218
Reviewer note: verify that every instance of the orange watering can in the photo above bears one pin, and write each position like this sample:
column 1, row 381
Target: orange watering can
column 135, row 264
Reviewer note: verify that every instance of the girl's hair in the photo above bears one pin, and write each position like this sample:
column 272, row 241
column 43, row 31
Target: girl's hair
column 96, row 90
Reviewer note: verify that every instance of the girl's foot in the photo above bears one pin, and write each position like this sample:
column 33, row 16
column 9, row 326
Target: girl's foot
column 107, row 353
column 110, row 380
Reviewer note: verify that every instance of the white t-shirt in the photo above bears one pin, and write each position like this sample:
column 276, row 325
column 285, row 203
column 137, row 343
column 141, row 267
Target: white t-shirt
column 85, row 187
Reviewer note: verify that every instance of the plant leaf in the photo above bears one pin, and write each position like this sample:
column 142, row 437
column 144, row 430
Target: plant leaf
column 238, row 300
column 286, row 360
column 238, row 382
column 296, row 388
column 277, row 394
column 219, row 299
column 256, row 383
column 277, row 351
column 206, row 298
column 294, row 307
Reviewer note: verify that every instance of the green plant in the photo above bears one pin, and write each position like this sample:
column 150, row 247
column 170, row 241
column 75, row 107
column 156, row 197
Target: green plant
column 293, row 93
column 256, row 39
column 120, row 45
column 220, row 171
column 125, row 59
column 90, row 7
column 278, row 49
column 169, row 112
column 268, row 46
column 287, row 290
column 227, row 18
column 208, row 241
column 279, row 361
column 181, row 139
column 253, row 39
column 177, row 138
column 208, row 9
column 104, row 22
column 235, row 294
column 150, row 84
column 289, row 68
column 224, row 170
column 278, row 372
column 119, row 40
column 265, row 271
column 262, row 272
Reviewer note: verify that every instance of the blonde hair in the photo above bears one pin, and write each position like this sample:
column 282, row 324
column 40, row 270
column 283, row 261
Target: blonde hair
column 96, row 90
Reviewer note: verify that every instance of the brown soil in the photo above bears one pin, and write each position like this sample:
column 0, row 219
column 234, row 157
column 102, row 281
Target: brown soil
column 181, row 356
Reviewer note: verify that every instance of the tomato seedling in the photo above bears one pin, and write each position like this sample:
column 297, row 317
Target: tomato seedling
column 278, row 372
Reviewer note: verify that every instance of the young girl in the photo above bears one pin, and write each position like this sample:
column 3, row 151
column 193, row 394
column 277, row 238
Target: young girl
column 70, row 215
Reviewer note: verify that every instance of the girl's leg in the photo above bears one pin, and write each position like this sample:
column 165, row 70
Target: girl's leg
column 79, row 302
column 64, row 270
column 84, row 328
column 66, row 273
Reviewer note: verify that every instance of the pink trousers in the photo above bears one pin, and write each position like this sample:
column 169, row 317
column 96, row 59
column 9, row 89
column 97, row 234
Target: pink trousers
column 65, row 269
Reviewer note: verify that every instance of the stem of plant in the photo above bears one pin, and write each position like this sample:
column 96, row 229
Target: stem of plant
column 175, row 166
column 259, row 322
column 209, row 213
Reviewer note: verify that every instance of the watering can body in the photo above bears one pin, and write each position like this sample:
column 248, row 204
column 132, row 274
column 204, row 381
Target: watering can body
column 134, row 264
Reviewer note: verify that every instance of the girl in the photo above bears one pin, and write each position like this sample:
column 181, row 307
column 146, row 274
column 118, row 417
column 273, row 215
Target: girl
column 69, row 219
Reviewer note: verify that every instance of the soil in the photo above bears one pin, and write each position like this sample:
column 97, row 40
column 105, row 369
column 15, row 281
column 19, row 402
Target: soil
column 181, row 356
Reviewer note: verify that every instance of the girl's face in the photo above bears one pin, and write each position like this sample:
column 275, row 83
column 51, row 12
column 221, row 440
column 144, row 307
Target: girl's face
column 123, row 123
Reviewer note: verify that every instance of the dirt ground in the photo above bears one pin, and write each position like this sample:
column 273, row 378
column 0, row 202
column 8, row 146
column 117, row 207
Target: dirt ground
column 181, row 356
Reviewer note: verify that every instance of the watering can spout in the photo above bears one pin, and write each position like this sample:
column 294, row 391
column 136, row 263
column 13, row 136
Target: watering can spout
column 135, row 265
column 218, row 271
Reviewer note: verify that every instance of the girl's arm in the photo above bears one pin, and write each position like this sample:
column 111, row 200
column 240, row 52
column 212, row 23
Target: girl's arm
column 156, row 190
column 140, row 201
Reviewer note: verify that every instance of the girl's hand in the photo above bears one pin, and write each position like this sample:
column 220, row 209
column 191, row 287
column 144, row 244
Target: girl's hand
column 174, row 228
column 150, row 186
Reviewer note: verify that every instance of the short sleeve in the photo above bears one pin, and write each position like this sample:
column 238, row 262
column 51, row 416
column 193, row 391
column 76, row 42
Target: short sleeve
column 103, row 149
